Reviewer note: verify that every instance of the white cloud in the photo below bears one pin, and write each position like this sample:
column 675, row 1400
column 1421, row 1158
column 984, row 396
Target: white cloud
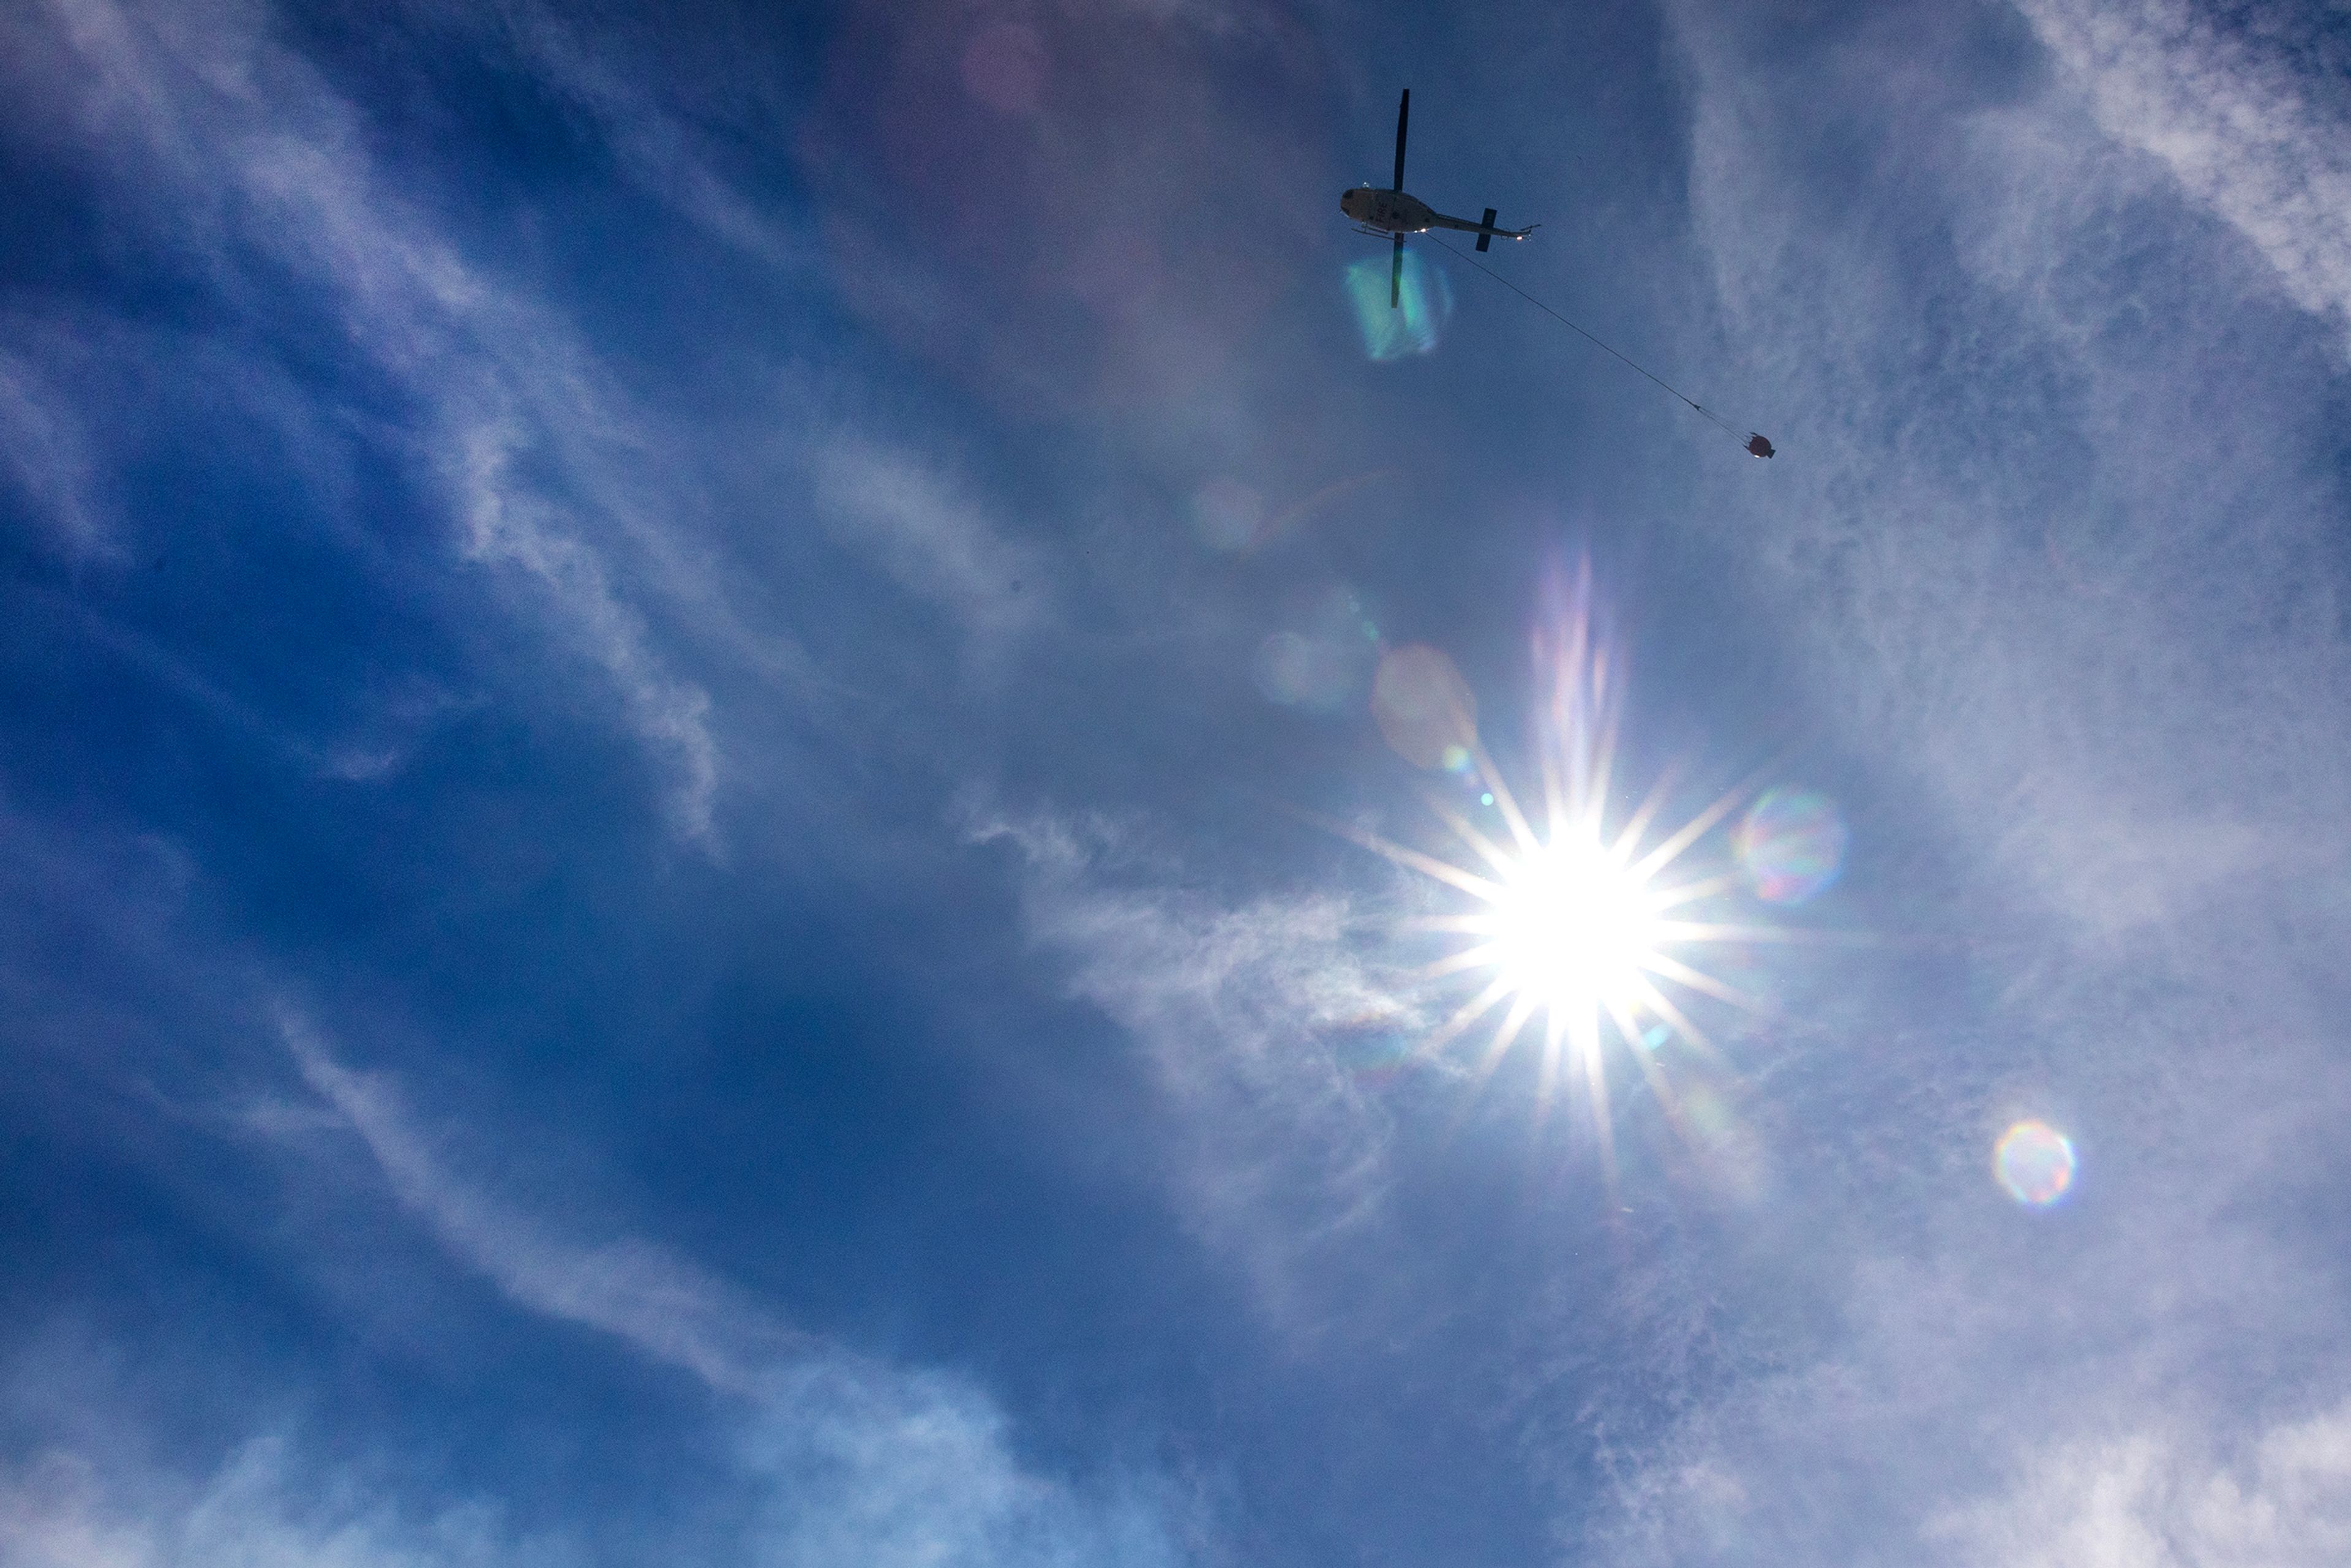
column 658, row 148
column 43, row 451
column 855, row 1463
column 63, row 1512
column 2264, row 145
column 911, row 1471
column 2159, row 1500
column 2067, row 541
column 847, row 1470
column 1242, row 1011
column 199, row 110
column 907, row 515
column 660, row 1304
column 2047, row 549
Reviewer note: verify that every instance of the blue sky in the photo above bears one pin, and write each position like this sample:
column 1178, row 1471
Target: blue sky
column 677, row 691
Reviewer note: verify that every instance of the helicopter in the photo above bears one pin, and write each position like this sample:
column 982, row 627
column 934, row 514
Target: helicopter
column 1392, row 213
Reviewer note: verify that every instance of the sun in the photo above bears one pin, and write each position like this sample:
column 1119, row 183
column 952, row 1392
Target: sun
column 1572, row 927
column 1582, row 929
column 1578, row 927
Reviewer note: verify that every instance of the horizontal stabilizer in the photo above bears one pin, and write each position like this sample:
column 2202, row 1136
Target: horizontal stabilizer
column 1486, row 222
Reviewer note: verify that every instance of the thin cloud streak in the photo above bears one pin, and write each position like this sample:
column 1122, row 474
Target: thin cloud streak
column 60, row 1511
column 902, row 512
column 44, row 453
column 856, row 1463
column 656, row 148
column 663, row 1306
column 249, row 142
column 1241, row 1012
column 2244, row 133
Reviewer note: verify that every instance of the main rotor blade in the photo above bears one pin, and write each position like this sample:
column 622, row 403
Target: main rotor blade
column 1404, row 112
column 1396, row 277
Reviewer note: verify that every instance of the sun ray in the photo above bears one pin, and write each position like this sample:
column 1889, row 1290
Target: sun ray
column 1522, row 1008
column 1705, row 887
column 1596, row 1089
column 1575, row 926
column 1725, row 931
column 1475, row 958
column 1620, row 1013
column 1602, row 924
column 1665, row 854
column 1522, row 832
column 1553, row 787
column 1629, row 836
column 1478, row 922
column 1486, row 849
column 1670, row 1101
column 1679, row 1022
column 1603, row 764
column 1470, row 1012
column 1547, row 1065
column 1699, row 980
column 1444, row 871
column 1735, row 931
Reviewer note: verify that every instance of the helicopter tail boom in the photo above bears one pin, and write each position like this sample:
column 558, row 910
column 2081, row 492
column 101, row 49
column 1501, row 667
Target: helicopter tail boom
column 1485, row 229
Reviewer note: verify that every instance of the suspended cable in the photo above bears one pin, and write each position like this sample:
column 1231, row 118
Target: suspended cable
column 1750, row 441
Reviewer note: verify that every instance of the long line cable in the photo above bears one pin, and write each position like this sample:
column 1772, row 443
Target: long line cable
column 1704, row 411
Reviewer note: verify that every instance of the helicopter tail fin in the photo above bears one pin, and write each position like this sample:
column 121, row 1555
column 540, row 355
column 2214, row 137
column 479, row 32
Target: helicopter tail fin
column 1486, row 222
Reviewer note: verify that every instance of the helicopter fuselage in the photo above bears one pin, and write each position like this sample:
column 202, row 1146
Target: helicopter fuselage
column 1399, row 213
column 1390, row 212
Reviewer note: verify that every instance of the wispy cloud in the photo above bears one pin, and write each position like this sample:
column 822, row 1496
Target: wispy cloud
column 907, row 515
column 200, row 112
column 2161, row 1499
column 2114, row 629
column 2256, row 134
column 658, row 147
column 255, row 1512
column 853, row 1462
column 853, row 1474
column 2047, row 541
column 910, row 1470
column 43, row 453
column 660, row 1304
column 830, row 1456
column 1244, row 1011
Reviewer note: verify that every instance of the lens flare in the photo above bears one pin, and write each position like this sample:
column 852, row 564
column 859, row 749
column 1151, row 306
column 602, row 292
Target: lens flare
column 1298, row 671
column 1324, row 660
column 2035, row 1162
column 1582, row 919
column 1792, row 843
column 1228, row 515
column 1424, row 706
column 1412, row 326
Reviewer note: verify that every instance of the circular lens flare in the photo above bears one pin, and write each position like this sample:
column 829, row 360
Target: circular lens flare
column 1423, row 707
column 2035, row 1162
column 1792, row 845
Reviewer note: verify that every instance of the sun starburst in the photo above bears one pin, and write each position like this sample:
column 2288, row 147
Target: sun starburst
column 1577, row 922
